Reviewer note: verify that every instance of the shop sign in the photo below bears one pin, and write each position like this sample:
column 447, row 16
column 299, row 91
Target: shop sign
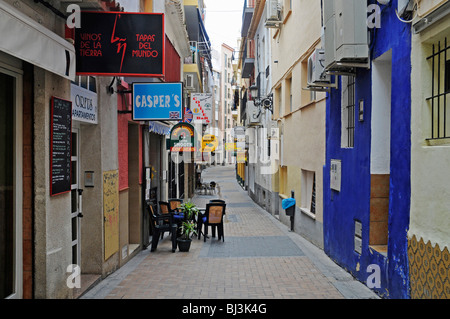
column 84, row 105
column 201, row 107
column 188, row 116
column 157, row 101
column 182, row 138
column 120, row 44
column 209, row 143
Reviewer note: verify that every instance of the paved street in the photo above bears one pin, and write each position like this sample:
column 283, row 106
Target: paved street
column 259, row 259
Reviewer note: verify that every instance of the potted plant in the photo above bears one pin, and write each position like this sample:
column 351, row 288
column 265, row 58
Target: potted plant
column 188, row 228
column 187, row 231
column 189, row 210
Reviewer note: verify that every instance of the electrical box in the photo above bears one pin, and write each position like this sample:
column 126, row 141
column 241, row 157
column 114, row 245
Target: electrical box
column 345, row 34
column 253, row 113
column 335, row 175
column 316, row 70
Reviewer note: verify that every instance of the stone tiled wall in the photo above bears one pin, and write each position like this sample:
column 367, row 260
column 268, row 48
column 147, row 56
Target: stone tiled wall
column 429, row 270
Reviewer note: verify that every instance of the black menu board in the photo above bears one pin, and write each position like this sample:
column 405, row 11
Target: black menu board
column 60, row 146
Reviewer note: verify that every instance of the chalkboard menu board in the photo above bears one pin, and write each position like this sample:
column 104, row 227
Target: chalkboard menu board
column 60, row 146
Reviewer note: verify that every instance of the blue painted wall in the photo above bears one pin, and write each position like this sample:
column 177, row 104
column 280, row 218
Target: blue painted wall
column 341, row 209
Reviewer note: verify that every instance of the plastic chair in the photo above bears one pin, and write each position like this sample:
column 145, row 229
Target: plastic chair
column 174, row 203
column 161, row 224
column 214, row 217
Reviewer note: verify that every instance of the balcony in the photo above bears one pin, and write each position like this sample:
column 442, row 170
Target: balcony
column 249, row 60
column 247, row 14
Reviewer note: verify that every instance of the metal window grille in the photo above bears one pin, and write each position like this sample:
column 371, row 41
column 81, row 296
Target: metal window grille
column 350, row 111
column 313, row 196
column 440, row 90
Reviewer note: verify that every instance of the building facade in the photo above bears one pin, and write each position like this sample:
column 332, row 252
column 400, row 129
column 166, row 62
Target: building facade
column 429, row 229
column 367, row 190
column 58, row 240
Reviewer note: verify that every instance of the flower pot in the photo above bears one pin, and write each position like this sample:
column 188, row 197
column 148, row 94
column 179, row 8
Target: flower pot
column 184, row 244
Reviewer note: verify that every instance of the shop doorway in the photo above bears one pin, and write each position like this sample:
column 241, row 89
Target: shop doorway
column 10, row 184
column 76, row 211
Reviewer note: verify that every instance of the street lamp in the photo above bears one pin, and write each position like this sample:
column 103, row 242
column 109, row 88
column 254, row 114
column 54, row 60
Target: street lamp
column 266, row 103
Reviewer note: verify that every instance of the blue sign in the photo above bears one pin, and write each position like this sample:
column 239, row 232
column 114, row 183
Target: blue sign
column 158, row 101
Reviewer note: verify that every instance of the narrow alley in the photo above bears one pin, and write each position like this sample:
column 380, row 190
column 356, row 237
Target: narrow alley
column 259, row 259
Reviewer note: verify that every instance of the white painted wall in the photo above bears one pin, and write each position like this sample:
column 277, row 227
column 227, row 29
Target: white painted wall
column 380, row 158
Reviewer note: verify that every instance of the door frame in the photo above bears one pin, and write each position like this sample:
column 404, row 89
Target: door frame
column 76, row 186
column 17, row 74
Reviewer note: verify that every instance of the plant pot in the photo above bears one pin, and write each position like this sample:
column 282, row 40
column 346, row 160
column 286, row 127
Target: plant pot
column 184, row 244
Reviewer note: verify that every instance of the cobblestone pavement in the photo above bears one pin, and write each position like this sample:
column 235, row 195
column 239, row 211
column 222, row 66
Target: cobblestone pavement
column 259, row 259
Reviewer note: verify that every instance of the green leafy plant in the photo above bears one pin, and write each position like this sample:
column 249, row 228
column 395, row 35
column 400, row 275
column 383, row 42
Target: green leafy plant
column 188, row 229
column 189, row 209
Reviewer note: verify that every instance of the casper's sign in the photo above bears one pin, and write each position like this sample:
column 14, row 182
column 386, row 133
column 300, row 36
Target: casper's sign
column 120, row 44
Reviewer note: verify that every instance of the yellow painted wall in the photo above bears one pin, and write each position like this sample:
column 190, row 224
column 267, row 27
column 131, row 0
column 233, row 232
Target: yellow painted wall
column 302, row 121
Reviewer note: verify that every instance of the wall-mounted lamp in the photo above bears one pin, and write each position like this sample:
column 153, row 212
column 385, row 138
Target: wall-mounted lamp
column 266, row 103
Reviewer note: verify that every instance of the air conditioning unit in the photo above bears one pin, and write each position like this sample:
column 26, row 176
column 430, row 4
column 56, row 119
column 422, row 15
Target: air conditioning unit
column 405, row 8
column 316, row 69
column 253, row 114
column 189, row 81
column 346, row 35
column 273, row 14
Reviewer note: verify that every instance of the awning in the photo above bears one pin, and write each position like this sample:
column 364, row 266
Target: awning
column 204, row 43
column 29, row 41
column 158, row 128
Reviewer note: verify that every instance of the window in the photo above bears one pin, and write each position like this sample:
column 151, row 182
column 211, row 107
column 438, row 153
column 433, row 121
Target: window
column 348, row 112
column 277, row 99
column 283, row 180
column 289, row 106
column 86, row 82
column 308, row 200
column 440, row 90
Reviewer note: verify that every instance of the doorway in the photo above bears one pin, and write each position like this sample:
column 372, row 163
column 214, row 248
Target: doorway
column 76, row 194
column 10, row 184
column 380, row 154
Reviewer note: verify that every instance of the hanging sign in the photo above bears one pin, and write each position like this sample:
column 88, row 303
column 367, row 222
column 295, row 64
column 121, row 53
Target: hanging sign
column 182, row 138
column 60, row 146
column 201, row 107
column 209, row 143
column 84, row 103
column 157, row 101
column 188, row 116
column 120, row 44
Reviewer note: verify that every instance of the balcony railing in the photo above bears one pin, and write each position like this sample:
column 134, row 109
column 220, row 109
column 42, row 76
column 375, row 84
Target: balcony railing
column 247, row 14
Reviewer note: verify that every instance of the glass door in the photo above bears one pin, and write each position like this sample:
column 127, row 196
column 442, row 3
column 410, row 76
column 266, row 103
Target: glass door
column 10, row 185
column 76, row 199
